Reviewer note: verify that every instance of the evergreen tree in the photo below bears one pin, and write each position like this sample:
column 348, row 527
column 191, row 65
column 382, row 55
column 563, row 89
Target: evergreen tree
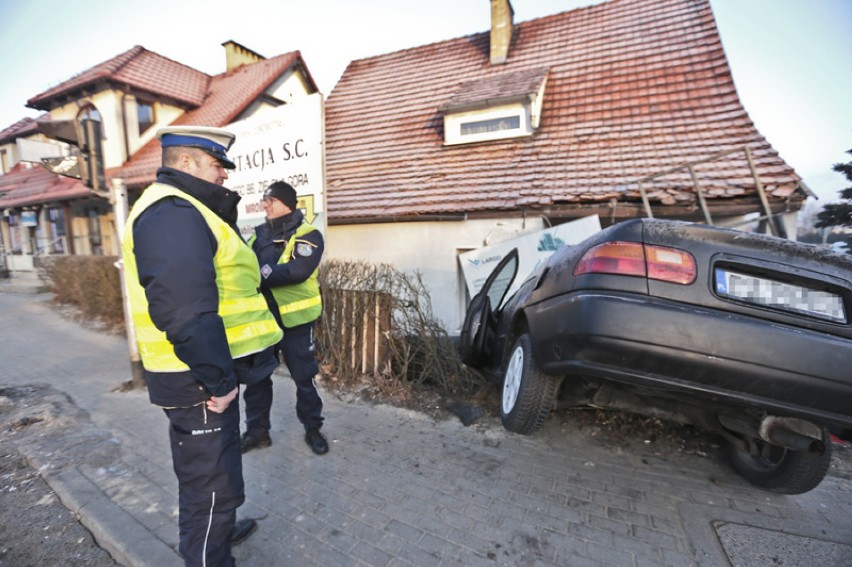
column 839, row 214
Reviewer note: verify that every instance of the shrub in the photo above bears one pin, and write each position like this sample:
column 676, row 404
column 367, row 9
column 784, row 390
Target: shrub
column 90, row 283
column 378, row 331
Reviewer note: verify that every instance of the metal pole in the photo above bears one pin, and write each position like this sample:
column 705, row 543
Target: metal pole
column 120, row 208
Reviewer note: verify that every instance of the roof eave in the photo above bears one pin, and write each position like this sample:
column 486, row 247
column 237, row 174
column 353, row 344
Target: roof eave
column 101, row 84
column 484, row 103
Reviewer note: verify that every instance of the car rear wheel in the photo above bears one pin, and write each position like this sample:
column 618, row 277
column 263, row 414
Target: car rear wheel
column 781, row 470
column 528, row 394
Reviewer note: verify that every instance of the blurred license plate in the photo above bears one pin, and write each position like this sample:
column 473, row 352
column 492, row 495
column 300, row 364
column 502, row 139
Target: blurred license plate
column 780, row 295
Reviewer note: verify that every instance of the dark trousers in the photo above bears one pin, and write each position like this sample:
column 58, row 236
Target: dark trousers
column 258, row 400
column 208, row 463
column 297, row 348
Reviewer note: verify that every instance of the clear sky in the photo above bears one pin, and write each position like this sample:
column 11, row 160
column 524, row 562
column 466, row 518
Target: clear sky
column 790, row 58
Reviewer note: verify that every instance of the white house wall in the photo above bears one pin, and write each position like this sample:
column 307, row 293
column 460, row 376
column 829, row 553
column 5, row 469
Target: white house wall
column 13, row 157
column 791, row 225
column 431, row 248
column 10, row 156
column 164, row 114
column 748, row 223
column 288, row 88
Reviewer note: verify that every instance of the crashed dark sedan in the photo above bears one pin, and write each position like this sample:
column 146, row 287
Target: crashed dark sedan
column 742, row 334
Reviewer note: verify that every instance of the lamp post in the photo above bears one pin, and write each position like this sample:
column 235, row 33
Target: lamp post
column 120, row 208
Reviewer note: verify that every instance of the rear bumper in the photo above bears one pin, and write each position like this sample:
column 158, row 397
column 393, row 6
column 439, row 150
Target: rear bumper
column 723, row 357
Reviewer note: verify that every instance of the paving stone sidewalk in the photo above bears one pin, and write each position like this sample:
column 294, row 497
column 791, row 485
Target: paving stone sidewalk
column 399, row 488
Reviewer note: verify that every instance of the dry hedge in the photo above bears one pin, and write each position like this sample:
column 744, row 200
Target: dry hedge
column 91, row 283
column 390, row 312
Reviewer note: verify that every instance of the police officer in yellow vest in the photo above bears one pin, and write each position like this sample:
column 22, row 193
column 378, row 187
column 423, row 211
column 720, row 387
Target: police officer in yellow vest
column 289, row 250
column 202, row 328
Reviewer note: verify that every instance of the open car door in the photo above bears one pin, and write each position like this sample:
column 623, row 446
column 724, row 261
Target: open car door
column 477, row 333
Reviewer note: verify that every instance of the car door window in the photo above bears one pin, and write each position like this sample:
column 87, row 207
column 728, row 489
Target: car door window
column 474, row 339
column 500, row 280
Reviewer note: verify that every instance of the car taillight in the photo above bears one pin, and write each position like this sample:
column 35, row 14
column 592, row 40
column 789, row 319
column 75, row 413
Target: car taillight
column 636, row 259
column 670, row 265
column 625, row 258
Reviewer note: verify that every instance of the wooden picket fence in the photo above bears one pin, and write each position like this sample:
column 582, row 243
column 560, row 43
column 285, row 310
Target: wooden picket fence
column 355, row 331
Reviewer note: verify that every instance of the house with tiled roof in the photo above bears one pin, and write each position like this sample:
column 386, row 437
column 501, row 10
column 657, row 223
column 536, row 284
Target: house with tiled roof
column 25, row 128
column 621, row 109
column 129, row 97
column 25, row 190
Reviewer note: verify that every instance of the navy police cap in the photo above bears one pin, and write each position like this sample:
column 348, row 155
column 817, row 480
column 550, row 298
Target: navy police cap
column 214, row 141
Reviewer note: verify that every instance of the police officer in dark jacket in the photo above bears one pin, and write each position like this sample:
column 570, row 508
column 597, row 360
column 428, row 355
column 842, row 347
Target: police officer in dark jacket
column 192, row 283
column 289, row 250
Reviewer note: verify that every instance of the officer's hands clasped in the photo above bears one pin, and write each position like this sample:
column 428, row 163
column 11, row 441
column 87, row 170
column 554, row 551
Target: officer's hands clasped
column 220, row 404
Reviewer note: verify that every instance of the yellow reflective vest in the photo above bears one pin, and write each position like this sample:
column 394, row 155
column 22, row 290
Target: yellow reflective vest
column 249, row 325
column 297, row 303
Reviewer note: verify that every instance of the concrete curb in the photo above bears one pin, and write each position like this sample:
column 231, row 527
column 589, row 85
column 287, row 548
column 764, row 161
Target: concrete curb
column 115, row 530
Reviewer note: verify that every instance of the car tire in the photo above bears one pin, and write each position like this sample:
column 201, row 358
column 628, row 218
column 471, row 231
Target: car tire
column 785, row 471
column 528, row 394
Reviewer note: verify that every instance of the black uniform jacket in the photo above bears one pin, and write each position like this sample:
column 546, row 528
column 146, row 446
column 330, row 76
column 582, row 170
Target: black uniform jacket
column 271, row 238
column 174, row 249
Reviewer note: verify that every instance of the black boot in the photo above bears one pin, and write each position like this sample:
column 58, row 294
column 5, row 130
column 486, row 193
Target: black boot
column 242, row 529
column 316, row 440
column 254, row 440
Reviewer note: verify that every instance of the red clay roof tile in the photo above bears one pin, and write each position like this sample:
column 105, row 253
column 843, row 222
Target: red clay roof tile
column 35, row 185
column 137, row 68
column 23, row 127
column 495, row 90
column 634, row 87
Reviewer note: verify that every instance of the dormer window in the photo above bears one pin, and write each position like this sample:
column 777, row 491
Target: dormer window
column 495, row 108
column 489, row 125
column 506, row 121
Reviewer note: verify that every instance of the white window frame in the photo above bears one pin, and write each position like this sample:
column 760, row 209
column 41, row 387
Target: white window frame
column 453, row 124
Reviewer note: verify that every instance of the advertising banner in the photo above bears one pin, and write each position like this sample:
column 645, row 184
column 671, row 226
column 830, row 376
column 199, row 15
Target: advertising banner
column 282, row 144
column 533, row 249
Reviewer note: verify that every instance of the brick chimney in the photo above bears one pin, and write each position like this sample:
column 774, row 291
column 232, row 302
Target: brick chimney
column 501, row 30
column 236, row 55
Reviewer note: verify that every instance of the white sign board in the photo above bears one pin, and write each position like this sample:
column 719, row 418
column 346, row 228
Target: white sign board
column 282, row 144
column 533, row 249
column 35, row 151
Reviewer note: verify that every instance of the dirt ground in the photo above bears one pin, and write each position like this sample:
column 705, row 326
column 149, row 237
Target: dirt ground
column 36, row 530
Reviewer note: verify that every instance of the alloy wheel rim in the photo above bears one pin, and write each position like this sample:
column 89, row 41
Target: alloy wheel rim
column 512, row 382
